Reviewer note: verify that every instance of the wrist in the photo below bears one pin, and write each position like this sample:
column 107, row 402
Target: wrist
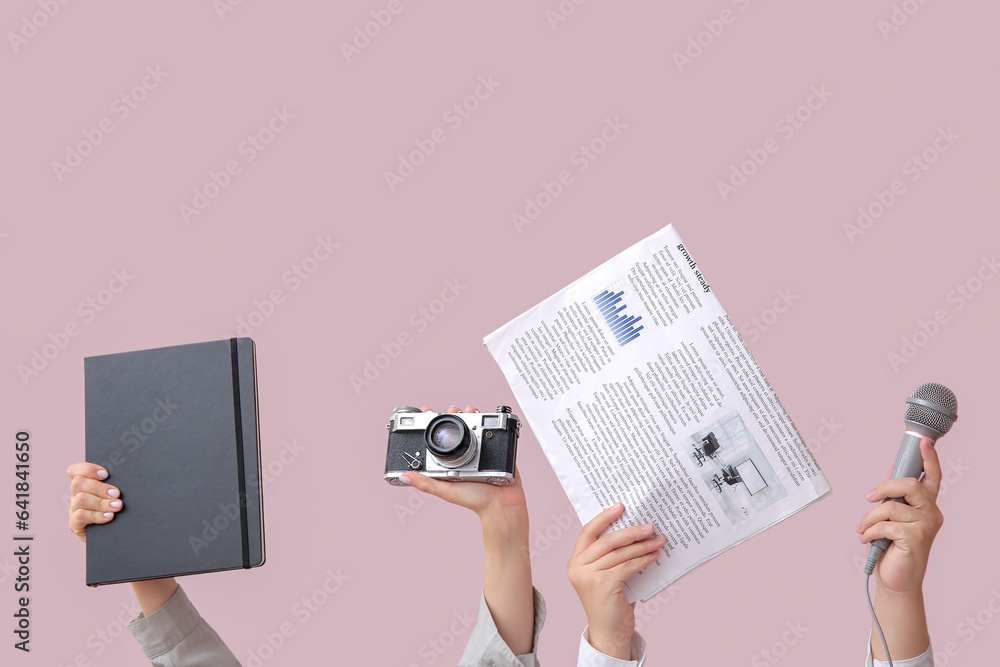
column 907, row 595
column 904, row 622
column 503, row 526
column 152, row 594
column 505, row 545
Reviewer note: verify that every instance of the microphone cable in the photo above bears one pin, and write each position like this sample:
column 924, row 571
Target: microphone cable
column 878, row 625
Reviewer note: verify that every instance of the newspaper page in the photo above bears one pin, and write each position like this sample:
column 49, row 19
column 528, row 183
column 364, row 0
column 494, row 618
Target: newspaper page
column 640, row 390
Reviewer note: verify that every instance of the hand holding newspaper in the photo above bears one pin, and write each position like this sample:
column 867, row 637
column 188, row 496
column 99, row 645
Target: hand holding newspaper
column 640, row 390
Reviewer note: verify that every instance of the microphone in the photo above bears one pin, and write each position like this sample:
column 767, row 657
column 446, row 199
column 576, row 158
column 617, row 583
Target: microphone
column 930, row 412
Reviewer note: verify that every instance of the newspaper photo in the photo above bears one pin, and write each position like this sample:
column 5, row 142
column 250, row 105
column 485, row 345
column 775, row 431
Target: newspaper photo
column 640, row 390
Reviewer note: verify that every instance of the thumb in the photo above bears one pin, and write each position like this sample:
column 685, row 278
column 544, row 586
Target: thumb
column 932, row 467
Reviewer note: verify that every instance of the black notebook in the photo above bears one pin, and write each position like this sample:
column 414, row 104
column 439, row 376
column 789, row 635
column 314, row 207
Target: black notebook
column 176, row 428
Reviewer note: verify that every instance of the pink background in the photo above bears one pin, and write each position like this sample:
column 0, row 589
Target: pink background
column 323, row 176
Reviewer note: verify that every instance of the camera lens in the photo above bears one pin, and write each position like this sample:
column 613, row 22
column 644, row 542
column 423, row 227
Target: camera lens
column 446, row 437
column 449, row 440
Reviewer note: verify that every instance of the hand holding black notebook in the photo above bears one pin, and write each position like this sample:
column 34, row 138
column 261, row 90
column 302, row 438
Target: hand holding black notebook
column 176, row 428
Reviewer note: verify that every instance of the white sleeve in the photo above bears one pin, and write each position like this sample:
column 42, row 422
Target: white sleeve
column 926, row 659
column 591, row 657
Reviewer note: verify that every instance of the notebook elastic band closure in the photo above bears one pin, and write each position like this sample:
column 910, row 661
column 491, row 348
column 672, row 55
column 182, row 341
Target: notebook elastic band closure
column 240, row 469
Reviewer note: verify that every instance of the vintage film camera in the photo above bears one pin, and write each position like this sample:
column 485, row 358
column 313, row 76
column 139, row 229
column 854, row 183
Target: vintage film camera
column 458, row 447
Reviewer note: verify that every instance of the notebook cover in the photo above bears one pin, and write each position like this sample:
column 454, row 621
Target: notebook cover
column 169, row 424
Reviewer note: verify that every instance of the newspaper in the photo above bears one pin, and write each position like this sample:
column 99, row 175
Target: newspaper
column 640, row 390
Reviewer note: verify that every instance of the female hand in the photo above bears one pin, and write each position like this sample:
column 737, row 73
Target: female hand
column 911, row 527
column 598, row 570
column 500, row 505
column 92, row 501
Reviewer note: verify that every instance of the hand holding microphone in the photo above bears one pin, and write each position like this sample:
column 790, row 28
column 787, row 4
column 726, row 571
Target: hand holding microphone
column 907, row 526
column 930, row 413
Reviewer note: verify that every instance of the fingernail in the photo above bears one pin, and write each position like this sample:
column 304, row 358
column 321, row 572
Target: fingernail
column 871, row 495
column 102, row 474
column 108, row 515
column 113, row 492
column 616, row 507
column 405, row 480
column 660, row 538
column 858, row 527
column 116, row 504
column 648, row 528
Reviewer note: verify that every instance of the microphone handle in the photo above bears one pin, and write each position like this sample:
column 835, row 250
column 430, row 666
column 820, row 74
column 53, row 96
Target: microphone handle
column 909, row 463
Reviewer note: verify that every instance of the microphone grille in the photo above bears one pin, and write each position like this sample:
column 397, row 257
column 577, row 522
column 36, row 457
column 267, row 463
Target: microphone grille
column 935, row 393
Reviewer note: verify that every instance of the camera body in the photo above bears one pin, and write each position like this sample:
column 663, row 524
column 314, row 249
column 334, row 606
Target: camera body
column 458, row 447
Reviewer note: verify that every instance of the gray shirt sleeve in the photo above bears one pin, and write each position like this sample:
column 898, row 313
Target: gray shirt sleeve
column 487, row 649
column 175, row 635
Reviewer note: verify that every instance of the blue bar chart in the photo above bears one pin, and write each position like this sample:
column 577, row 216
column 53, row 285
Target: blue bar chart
column 612, row 309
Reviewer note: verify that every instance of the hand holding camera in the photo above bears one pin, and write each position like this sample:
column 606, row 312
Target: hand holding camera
column 428, row 448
